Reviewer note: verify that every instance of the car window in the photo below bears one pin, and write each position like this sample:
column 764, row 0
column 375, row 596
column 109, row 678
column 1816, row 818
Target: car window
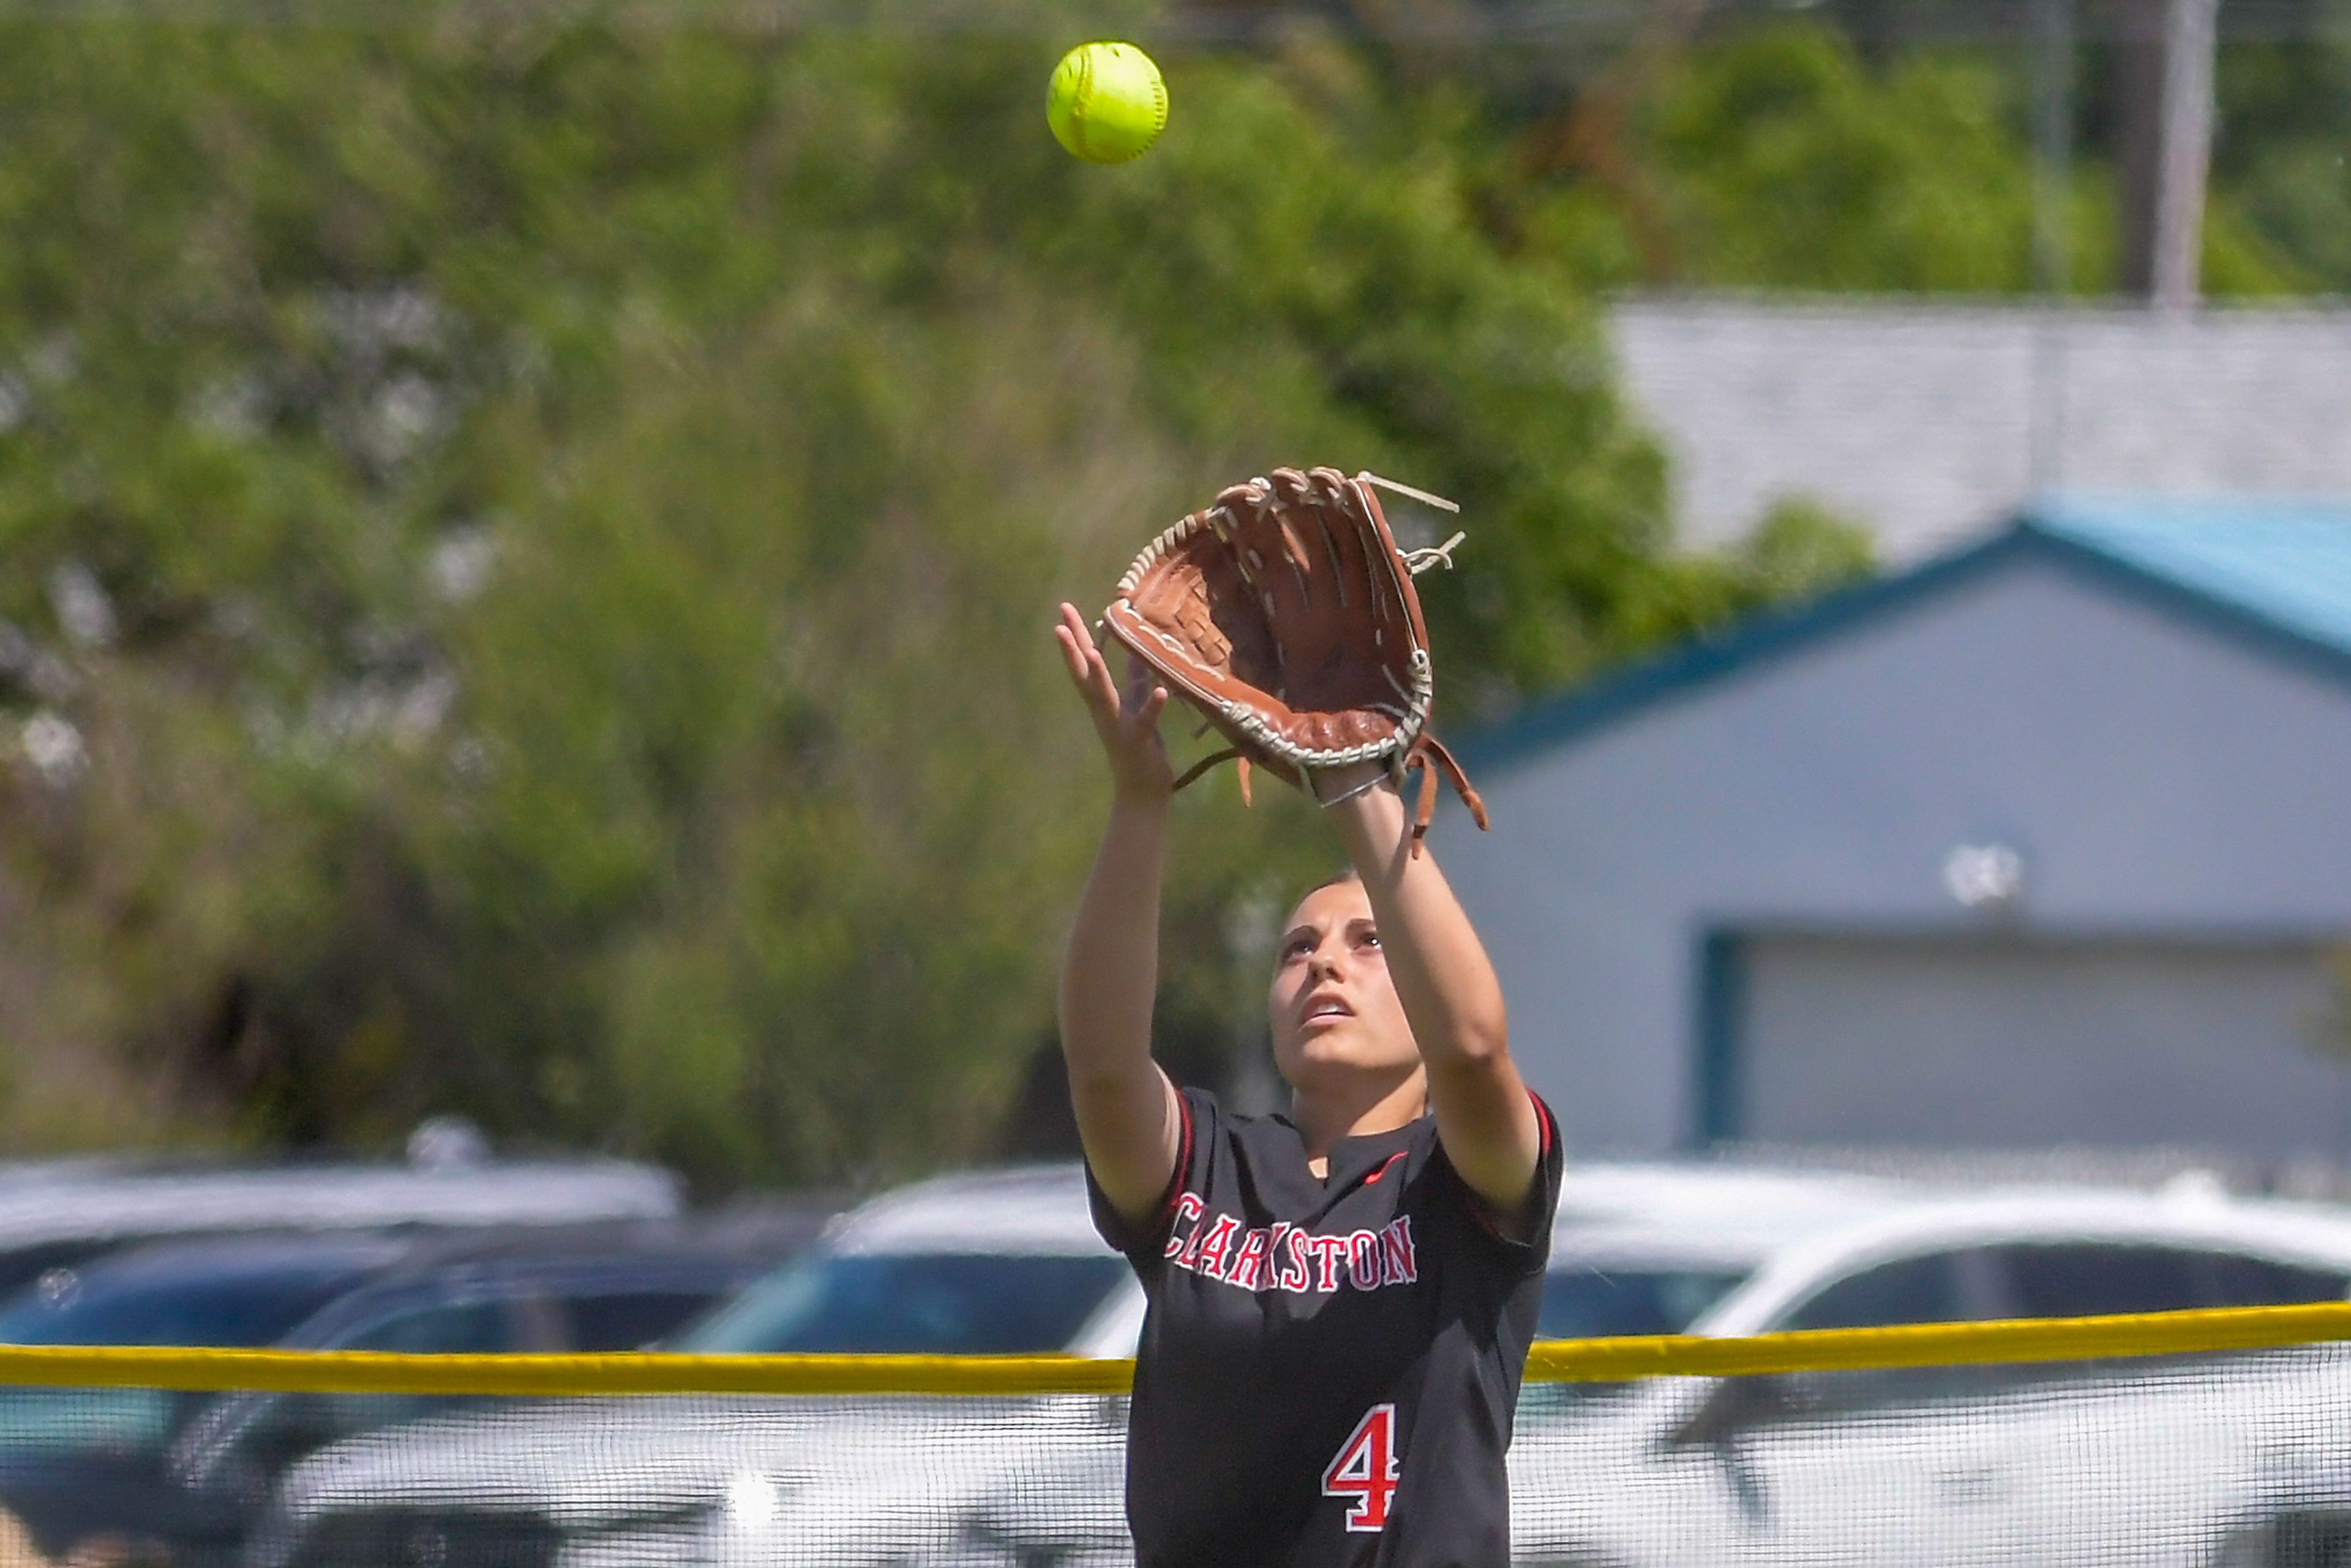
column 631, row 1319
column 441, row 1327
column 2233, row 1280
column 238, row 1309
column 2023, row 1279
column 1951, row 1286
column 1585, row 1302
column 2081, row 1279
column 934, row 1302
column 1582, row 1301
column 2075, row 1279
column 1933, row 1287
column 19, row 1266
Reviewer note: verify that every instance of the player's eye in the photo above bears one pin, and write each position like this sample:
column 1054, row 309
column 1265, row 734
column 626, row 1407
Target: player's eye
column 1297, row 947
column 1368, row 937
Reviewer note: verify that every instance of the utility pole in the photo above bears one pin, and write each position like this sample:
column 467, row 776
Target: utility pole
column 2188, row 28
column 2165, row 70
column 2051, row 71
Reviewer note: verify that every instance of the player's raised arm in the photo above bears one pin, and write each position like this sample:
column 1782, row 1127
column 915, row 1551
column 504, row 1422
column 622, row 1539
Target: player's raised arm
column 1127, row 1110
column 1484, row 1117
column 1331, row 1355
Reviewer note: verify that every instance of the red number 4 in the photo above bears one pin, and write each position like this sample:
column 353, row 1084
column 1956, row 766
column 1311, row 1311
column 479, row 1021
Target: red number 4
column 1366, row 1470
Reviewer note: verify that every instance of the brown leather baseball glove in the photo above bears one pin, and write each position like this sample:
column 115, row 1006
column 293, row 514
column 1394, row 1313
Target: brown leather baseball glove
column 1286, row 614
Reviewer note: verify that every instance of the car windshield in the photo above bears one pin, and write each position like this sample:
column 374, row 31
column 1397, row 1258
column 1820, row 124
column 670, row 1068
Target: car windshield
column 236, row 1305
column 1586, row 1301
column 238, row 1308
column 946, row 1304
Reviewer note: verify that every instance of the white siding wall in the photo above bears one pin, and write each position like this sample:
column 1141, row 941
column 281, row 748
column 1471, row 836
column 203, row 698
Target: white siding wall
column 2162, row 779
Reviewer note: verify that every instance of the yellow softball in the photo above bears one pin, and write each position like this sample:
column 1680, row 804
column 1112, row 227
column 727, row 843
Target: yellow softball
column 1106, row 103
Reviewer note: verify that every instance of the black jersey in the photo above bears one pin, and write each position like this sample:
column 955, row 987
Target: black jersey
column 1328, row 1369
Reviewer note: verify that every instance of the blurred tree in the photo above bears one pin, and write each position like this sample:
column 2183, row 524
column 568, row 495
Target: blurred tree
column 528, row 553
column 2282, row 157
column 1780, row 157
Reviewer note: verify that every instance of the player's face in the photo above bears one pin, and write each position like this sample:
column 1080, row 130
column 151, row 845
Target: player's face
column 1333, row 1006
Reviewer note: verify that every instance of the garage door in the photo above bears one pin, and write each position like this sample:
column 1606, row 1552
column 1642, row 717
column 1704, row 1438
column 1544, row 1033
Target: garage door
column 1988, row 1044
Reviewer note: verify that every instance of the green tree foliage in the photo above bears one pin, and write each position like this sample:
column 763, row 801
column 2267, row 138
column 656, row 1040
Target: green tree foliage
column 1781, row 158
column 2282, row 157
column 528, row 553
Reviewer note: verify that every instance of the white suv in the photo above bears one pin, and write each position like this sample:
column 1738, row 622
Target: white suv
column 2162, row 1461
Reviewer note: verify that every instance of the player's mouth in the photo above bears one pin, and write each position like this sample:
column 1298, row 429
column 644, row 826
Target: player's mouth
column 1323, row 1008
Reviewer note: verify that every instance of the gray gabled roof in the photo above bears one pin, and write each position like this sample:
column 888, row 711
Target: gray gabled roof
column 1928, row 422
column 2274, row 573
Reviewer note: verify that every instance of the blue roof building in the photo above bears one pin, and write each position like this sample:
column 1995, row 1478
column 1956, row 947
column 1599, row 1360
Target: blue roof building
column 2046, row 841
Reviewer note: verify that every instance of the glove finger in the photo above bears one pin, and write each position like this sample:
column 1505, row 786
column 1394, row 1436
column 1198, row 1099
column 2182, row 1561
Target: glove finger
column 1314, row 628
column 1272, row 581
column 1384, row 621
column 1274, row 558
column 1342, row 533
column 1384, row 577
column 1302, row 502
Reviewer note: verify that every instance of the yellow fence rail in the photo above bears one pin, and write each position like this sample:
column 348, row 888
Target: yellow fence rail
column 1553, row 1361
column 1939, row 1344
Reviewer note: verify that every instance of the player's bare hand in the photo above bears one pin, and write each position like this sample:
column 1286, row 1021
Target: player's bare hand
column 1127, row 721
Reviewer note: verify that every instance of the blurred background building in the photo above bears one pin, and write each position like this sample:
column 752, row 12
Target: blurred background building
column 2043, row 841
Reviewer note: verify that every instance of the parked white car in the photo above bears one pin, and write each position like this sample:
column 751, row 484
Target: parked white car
column 2022, row 1465
column 2127, row 1462
column 1007, row 1262
column 2184, row 1461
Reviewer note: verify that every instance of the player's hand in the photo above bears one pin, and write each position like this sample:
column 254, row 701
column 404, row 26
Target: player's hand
column 1128, row 723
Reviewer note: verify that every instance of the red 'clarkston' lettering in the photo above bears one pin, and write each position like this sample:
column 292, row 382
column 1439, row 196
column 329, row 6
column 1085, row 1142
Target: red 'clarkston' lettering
column 1285, row 1257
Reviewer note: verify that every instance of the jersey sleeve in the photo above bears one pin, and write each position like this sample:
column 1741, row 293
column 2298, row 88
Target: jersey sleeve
column 1524, row 1239
column 1143, row 1243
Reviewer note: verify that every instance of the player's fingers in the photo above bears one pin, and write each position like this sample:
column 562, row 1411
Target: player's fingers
column 1093, row 681
column 1081, row 635
column 1085, row 667
column 1073, row 659
column 1101, row 692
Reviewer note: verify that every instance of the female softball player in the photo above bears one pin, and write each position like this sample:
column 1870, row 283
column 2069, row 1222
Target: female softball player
column 1340, row 1299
